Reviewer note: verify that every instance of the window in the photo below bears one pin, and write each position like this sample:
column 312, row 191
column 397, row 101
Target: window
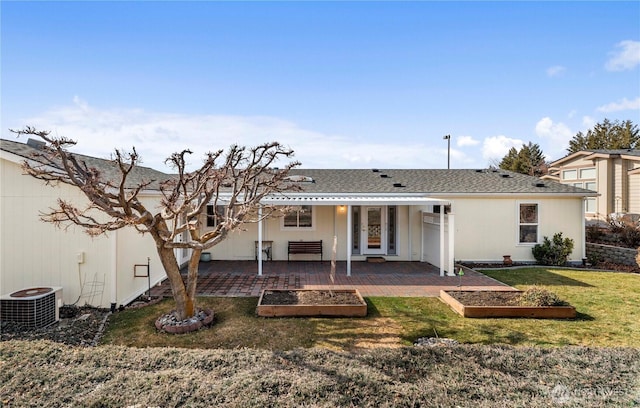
column 213, row 217
column 299, row 217
column 391, row 232
column 590, row 202
column 355, row 217
column 569, row 174
column 588, row 173
column 528, row 223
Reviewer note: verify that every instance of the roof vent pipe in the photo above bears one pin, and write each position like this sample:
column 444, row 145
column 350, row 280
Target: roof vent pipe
column 36, row 144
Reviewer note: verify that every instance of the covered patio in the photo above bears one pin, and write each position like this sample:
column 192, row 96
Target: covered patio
column 402, row 279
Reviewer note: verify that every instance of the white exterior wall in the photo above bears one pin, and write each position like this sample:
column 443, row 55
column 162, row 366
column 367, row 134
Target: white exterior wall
column 35, row 253
column 487, row 229
column 329, row 221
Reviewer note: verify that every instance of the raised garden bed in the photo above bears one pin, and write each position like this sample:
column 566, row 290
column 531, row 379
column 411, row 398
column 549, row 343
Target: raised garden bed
column 311, row 302
column 500, row 304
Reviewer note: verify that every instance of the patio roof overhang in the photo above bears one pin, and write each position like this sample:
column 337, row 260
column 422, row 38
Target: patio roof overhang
column 351, row 199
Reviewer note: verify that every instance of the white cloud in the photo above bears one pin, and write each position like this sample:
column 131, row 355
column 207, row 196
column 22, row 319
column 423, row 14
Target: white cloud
column 588, row 122
column 156, row 135
column 463, row 141
column 625, row 57
column 556, row 70
column 557, row 135
column 624, row 104
column 496, row 147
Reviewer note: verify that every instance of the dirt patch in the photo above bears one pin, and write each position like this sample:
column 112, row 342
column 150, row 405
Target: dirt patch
column 486, row 298
column 310, row 297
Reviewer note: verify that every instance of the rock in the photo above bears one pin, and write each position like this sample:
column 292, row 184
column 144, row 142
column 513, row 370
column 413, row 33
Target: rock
column 435, row 342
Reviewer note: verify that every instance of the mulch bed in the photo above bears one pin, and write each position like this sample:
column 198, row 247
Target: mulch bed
column 310, row 297
column 78, row 326
column 486, row 298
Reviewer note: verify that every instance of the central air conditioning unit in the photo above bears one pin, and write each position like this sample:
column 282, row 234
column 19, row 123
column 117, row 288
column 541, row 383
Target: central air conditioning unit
column 32, row 307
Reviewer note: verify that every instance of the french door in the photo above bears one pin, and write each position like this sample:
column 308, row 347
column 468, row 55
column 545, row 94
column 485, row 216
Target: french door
column 374, row 230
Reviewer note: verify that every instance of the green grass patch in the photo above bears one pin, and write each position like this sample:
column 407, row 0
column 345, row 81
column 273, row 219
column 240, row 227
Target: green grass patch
column 608, row 306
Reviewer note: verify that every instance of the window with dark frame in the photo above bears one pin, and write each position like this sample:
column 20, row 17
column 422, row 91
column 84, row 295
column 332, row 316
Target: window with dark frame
column 301, row 217
column 528, row 223
column 214, row 215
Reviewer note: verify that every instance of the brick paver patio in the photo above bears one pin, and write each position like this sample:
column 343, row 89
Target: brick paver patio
column 240, row 278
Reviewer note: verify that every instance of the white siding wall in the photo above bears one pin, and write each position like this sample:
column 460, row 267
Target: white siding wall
column 486, row 229
column 34, row 253
column 328, row 222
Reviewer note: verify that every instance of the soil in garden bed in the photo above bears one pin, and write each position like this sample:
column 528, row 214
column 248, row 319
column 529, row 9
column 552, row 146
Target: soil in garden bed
column 486, row 298
column 310, row 297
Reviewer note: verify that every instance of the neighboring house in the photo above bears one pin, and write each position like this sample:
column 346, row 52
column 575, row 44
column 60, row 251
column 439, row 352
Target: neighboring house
column 614, row 174
column 422, row 215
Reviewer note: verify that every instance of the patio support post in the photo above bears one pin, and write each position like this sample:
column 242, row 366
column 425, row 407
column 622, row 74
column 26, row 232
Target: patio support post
column 442, row 240
column 259, row 248
column 421, row 235
column 451, row 258
column 349, row 238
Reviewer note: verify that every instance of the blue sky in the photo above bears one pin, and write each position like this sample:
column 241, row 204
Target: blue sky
column 345, row 84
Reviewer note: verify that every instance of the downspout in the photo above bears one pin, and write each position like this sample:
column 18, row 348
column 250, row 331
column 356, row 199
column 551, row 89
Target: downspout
column 113, row 243
column 583, row 230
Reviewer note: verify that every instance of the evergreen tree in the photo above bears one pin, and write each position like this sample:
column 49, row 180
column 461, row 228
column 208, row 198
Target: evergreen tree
column 528, row 160
column 607, row 135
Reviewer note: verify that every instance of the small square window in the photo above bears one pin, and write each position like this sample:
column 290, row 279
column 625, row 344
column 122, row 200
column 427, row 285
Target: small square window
column 588, row 173
column 214, row 217
column 569, row 174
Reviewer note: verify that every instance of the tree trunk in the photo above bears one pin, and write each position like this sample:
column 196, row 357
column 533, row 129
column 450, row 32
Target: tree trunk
column 192, row 274
column 185, row 304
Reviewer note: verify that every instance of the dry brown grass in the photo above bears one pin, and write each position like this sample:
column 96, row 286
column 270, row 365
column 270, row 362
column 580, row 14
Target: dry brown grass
column 42, row 373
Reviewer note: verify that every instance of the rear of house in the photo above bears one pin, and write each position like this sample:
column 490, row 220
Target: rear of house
column 421, row 215
column 428, row 215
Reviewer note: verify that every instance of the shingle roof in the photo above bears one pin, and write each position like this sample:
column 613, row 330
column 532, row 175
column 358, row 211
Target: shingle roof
column 397, row 182
column 430, row 181
column 107, row 167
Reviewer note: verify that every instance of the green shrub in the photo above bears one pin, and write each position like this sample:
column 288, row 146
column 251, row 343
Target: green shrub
column 553, row 252
column 536, row 296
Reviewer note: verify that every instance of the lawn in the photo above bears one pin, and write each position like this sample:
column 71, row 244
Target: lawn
column 608, row 305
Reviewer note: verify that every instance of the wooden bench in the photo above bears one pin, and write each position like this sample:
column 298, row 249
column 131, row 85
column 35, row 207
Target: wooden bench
column 304, row 247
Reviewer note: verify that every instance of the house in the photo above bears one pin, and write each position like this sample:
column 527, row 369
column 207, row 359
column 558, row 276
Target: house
column 103, row 271
column 614, row 174
column 420, row 215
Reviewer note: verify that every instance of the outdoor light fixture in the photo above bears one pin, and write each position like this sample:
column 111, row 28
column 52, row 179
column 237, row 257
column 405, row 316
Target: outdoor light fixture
column 342, row 209
column 448, row 139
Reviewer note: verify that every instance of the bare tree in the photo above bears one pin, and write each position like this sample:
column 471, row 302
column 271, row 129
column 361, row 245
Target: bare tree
column 238, row 180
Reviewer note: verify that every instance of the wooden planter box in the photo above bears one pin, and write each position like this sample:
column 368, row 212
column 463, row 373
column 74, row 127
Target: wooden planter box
column 308, row 310
column 536, row 312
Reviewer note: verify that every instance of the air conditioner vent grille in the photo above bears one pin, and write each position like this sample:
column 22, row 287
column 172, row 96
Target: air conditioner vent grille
column 37, row 311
